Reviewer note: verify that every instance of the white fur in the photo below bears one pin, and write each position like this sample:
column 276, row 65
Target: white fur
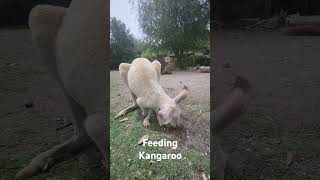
column 142, row 78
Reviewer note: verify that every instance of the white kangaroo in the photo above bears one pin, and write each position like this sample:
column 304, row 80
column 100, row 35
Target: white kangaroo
column 142, row 78
column 73, row 43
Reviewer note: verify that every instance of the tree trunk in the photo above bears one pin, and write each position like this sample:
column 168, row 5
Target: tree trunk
column 193, row 61
column 178, row 53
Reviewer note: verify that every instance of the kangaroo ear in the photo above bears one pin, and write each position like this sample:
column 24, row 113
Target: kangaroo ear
column 182, row 95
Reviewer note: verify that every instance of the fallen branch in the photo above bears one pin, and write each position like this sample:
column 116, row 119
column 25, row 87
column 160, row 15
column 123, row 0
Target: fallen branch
column 64, row 126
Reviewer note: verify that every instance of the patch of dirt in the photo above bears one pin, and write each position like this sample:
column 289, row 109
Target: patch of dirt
column 179, row 134
column 283, row 116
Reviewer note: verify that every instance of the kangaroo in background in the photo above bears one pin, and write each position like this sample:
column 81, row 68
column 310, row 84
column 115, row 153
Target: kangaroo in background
column 233, row 106
column 73, row 43
column 142, row 78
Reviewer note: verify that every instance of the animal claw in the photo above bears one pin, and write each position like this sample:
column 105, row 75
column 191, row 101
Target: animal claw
column 146, row 123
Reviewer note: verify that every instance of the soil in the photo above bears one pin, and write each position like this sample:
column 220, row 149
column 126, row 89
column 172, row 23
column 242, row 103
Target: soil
column 278, row 138
column 32, row 107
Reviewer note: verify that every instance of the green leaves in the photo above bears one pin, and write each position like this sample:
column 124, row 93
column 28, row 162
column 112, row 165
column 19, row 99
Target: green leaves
column 176, row 25
column 122, row 44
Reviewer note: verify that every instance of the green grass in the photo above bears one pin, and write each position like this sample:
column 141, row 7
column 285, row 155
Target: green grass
column 125, row 162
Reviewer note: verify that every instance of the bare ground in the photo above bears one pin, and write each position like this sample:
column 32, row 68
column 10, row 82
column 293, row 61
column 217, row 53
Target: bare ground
column 279, row 136
column 25, row 132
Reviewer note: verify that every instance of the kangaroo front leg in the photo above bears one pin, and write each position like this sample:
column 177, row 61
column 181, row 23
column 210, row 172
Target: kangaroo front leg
column 143, row 111
column 146, row 122
column 141, row 105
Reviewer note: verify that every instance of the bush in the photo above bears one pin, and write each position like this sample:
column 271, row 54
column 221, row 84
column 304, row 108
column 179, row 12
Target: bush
column 149, row 54
column 194, row 60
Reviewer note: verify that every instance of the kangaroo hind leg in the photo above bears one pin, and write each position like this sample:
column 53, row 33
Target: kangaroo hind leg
column 124, row 68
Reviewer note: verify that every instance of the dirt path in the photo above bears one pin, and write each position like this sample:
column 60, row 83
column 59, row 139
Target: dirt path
column 25, row 132
column 283, row 118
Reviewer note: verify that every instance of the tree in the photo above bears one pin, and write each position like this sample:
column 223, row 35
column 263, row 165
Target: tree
column 122, row 43
column 175, row 25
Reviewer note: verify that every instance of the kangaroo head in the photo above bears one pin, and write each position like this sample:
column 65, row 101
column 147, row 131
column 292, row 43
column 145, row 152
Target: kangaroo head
column 171, row 114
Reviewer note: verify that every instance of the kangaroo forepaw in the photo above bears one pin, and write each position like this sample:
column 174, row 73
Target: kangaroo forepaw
column 146, row 123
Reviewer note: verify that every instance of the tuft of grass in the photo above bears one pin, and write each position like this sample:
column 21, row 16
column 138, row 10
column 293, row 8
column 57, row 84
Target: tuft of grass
column 125, row 162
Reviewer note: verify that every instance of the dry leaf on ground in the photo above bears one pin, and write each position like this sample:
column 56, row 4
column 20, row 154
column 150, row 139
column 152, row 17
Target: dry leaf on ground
column 144, row 138
column 124, row 119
